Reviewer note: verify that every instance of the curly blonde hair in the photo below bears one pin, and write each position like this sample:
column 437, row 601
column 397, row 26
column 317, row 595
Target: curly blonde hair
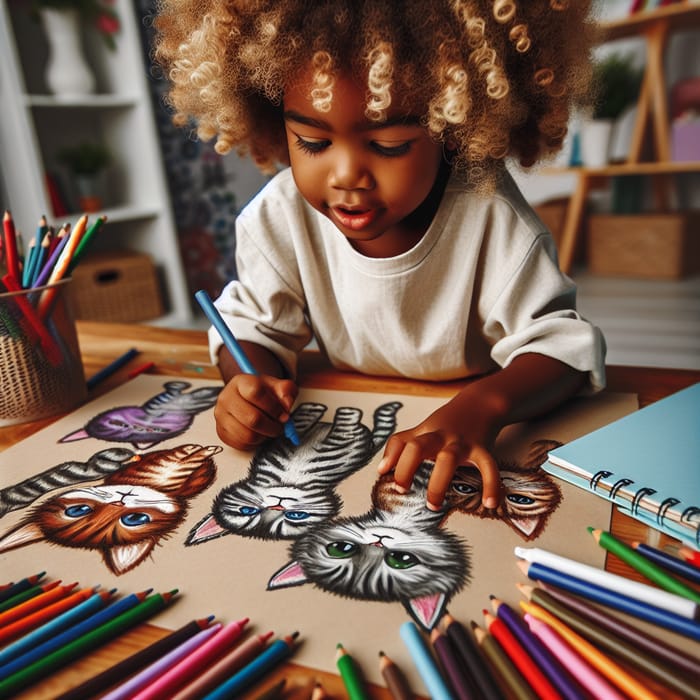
column 490, row 78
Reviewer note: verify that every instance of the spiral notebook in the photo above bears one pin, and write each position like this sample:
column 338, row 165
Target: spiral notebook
column 647, row 463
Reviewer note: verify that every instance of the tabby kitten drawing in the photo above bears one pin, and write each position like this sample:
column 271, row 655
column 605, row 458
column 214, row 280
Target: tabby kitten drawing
column 162, row 417
column 126, row 515
column 289, row 489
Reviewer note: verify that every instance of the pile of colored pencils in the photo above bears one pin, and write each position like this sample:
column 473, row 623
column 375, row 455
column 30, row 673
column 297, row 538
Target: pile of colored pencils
column 45, row 626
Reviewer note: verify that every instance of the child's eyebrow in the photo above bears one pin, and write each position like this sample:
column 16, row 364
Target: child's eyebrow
column 402, row 120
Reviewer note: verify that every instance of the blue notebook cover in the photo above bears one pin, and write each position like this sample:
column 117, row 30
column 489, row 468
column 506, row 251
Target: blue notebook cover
column 647, row 462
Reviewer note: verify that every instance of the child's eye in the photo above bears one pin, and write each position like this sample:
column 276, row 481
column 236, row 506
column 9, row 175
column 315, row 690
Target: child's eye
column 393, row 150
column 312, row 146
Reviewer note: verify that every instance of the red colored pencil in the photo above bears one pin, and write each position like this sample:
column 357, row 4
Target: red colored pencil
column 54, row 593
column 520, row 658
column 11, row 252
column 44, row 614
column 690, row 555
column 141, row 369
column 26, row 594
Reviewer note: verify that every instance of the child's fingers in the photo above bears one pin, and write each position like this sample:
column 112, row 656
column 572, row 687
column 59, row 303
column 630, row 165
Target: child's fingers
column 490, row 477
column 441, row 477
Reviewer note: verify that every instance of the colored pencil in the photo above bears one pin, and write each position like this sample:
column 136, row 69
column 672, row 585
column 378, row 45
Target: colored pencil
column 350, row 673
column 394, row 678
column 642, row 565
column 84, row 243
column 424, row 662
column 503, row 667
column 608, row 621
column 471, row 657
column 520, row 657
column 49, row 630
column 673, row 564
column 274, row 654
column 598, row 594
column 451, row 666
column 11, row 252
column 612, row 582
column 40, row 259
column 28, row 263
column 224, row 668
column 87, row 642
column 555, row 672
column 136, row 662
column 26, row 595
column 60, row 269
column 611, row 670
column 111, row 368
column 232, row 345
column 607, row 642
column 61, row 240
column 141, row 369
column 52, row 593
column 187, row 668
column 141, row 680
column 52, row 644
column 586, row 675
column 37, row 618
column 689, row 555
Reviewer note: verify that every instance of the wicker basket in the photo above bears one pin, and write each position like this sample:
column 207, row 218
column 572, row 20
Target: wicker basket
column 119, row 286
column 657, row 246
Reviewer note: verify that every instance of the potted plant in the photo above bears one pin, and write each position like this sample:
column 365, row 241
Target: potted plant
column 616, row 84
column 86, row 161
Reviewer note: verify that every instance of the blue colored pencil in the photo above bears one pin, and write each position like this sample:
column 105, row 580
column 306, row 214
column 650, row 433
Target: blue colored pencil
column 232, row 345
column 424, row 662
column 72, row 633
column 111, row 368
column 618, row 601
column 45, row 272
column 668, row 562
column 261, row 664
column 58, row 624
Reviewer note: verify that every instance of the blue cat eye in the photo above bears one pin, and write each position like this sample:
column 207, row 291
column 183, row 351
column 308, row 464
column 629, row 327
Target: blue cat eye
column 135, row 519
column 465, row 488
column 248, row 510
column 341, row 550
column 400, row 560
column 520, row 499
column 79, row 511
column 296, row 515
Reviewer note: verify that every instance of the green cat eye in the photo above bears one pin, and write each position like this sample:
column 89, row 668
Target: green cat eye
column 341, row 550
column 400, row 560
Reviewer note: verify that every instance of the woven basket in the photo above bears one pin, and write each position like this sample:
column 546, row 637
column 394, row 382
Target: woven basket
column 118, row 287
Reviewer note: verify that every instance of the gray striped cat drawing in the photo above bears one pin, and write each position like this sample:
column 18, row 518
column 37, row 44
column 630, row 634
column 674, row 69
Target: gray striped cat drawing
column 139, row 501
column 396, row 552
column 162, row 417
column 288, row 489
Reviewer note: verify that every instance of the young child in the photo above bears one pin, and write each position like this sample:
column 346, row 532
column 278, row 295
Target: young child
column 396, row 238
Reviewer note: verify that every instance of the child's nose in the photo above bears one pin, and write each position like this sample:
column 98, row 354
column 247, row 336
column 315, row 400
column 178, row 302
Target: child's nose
column 349, row 171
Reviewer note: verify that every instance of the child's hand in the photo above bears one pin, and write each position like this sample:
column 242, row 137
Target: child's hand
column 252, row 408
column 450, row 438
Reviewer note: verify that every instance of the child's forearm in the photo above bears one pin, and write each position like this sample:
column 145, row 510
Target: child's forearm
column 264, row 361
column 529, row 386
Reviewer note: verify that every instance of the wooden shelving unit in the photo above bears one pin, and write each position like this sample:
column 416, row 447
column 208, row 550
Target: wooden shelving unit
column 655, row 27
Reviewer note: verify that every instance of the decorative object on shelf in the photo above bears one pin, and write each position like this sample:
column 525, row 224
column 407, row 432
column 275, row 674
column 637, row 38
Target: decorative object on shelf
column 616, row 85
column 86, row 162
column 67, row 73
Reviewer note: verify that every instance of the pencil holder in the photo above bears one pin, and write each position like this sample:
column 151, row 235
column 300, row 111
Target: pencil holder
column 41, row 372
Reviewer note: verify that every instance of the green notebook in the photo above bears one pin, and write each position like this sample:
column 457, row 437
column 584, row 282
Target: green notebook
column 648, row 463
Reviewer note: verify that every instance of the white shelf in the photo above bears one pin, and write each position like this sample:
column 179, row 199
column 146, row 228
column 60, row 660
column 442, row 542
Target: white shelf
column 37, row 124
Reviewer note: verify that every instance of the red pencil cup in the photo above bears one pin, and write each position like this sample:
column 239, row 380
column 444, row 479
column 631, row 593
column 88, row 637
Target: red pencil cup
column 41, row 372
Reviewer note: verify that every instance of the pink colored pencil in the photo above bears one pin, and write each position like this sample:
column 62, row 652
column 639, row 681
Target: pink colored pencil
column 583, row 672
column 195, row 663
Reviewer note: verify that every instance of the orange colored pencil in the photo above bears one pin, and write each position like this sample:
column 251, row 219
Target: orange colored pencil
column 62, row 265
column 29, row 622
column 520, row 658
column 50, row 595
column 604, row 665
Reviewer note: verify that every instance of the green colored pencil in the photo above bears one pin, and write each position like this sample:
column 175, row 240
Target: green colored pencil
column 88, row 642
column 84, row 242
column 645, row 567
column 350, row 673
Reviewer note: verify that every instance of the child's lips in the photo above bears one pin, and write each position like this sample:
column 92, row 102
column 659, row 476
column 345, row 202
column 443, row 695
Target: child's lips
column 355, row 219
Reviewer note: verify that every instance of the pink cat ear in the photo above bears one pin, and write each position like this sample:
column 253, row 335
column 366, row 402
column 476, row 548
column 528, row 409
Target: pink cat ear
column 528, row 528
column 25, row 534
column 427, row 610
column 289, row 575
column 123, row 558
column 81, row 434
column 207, row 529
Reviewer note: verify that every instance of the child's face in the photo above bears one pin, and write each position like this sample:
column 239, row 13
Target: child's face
column 368, row 178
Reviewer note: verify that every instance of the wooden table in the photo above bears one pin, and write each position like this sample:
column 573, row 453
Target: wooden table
column 184, row 353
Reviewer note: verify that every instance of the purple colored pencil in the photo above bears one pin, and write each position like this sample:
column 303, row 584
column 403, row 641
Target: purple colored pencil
column 43, row 276
column 456, row 676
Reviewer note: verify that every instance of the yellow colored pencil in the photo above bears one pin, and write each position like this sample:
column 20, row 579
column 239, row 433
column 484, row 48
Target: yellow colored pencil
column 595, row 658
